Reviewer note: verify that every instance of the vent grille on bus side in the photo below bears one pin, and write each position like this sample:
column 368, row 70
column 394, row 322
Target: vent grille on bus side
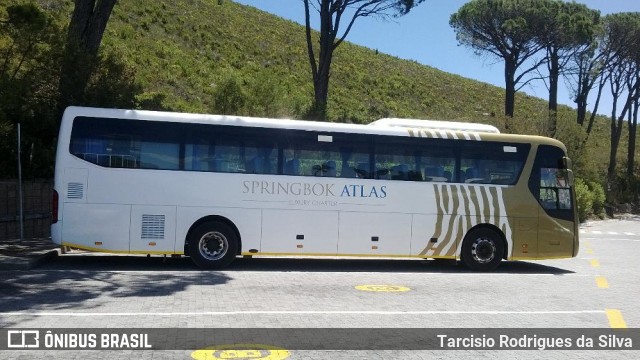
column 152, row 227
column 75, row 190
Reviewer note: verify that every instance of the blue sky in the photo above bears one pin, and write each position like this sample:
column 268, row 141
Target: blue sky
column 424, row 35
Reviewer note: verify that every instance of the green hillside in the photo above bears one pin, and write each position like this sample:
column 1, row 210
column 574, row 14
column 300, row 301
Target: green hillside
column 216, row 56
column 187, row 48
column 184, row 52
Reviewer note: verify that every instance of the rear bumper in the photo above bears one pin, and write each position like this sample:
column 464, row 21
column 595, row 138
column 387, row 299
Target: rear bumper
column 56, row 232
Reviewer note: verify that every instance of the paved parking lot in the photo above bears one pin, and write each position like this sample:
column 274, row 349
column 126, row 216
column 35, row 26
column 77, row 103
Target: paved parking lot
column 597, row 289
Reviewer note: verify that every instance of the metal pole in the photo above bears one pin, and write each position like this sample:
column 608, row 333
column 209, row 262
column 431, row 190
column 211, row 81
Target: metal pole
column 20, row 187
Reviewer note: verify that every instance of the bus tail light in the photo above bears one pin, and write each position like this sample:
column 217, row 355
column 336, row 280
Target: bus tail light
column 54, row 207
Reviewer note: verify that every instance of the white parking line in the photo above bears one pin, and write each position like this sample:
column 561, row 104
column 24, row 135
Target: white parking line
column 310, row 312
column 426, row 270
column 622, row 239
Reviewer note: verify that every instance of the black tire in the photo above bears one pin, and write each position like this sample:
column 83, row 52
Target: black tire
column 482, row 249
column 213, row 245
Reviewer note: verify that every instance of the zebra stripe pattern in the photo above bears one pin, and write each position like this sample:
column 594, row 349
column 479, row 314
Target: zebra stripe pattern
column 444, row 134
column 460, row 208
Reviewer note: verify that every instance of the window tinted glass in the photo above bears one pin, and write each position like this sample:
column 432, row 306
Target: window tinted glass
column 414, row 161
column 224, row 149
column 234, row 149
column 492, row 163
column 550, row 183
column 127, row 144
column 313, row 154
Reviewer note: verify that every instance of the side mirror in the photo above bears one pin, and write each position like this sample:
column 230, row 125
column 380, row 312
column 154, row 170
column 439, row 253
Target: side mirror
column 566, row 163
column 570, row 177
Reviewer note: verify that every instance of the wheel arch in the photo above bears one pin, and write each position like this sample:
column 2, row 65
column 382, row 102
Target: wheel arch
column 213, row 218
column 497, row 230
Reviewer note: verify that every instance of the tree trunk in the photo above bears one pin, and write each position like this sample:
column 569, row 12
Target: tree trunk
column 554, row 75
column 631, row 148
column 592, row 118
column 581, row 110
column 633, row 125
column 86, row 28
column 321, row 94
column 88, row 22
column 582, row 95
column 616, row 132
column 633, row 153
column 510, row 87
column 320, row 68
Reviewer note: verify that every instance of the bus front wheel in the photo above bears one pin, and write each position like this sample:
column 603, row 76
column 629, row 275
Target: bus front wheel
column 213, row 245
column 482, row 249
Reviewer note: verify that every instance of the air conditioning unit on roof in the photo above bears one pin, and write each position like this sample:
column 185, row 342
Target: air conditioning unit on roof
column 436, row 125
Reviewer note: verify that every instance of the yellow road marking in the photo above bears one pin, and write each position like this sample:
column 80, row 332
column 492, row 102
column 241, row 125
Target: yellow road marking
column 586, row 243
column 615, row 319
column 602, row 282
column 589, row 251
column 594, row 262
column 241, row 351
column 383, row 288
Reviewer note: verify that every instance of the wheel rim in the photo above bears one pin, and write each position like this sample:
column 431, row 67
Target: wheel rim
column 213, row 245
column 483, row 250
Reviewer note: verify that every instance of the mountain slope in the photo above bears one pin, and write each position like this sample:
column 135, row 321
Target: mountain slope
column 185, row 52
column 186, row 48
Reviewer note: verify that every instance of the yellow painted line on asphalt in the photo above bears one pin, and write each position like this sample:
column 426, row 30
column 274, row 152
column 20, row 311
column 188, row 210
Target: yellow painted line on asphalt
column 594, row 262
column 589, row 251
column 616, row 321
column 382, row 288
column 241, row 351
column 586, row 243
column 602, row 282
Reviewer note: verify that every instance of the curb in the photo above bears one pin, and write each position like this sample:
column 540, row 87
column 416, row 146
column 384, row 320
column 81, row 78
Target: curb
column 27, row 262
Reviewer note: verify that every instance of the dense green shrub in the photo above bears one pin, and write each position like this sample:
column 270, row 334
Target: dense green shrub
column 590, row 197
column 599, row 197
column 230, row 97
column 584, row 198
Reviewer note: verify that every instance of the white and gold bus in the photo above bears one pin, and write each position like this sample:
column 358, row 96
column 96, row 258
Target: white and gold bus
column 215, row 187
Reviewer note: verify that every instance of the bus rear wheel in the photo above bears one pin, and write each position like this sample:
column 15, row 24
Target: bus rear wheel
column 213, row 245
column 482, row 249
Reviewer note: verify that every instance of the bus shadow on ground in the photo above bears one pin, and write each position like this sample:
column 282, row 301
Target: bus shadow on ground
column 102, row 262
column 391, row 265
column 111, row 262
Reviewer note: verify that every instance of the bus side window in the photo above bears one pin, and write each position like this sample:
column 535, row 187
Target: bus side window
column 434, row 173
column 400, row 172
column 554, row 189
column 382, row 173
column 292, row 167
column 255, row 165
column 447, row 175
column 491, row 163
column 352, row 162
column 329, row 169
column 363, row 170
column 462, row 176
column 261, row 159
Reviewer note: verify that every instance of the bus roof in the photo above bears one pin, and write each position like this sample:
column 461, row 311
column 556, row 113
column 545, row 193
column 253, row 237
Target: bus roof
column 436, row 125
column 391, row 127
